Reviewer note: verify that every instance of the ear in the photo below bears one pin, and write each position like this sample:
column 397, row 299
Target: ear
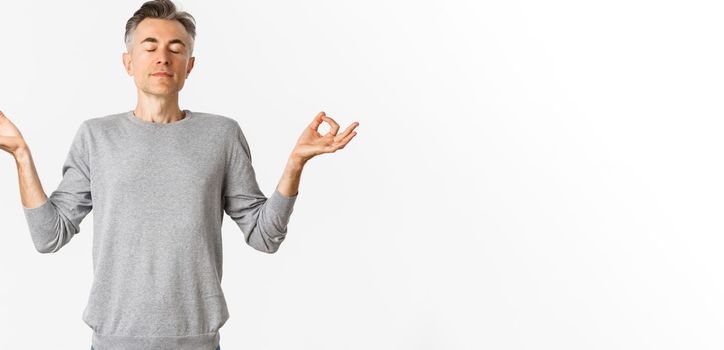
column 190, row 65
column 126, row 57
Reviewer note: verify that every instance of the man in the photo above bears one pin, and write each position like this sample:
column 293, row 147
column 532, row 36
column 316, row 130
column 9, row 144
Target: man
column 160, row 179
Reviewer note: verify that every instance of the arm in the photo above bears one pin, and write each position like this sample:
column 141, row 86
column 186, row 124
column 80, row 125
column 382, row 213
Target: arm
column 12, row 141
column 54, row 220
column 289, row 184
column 32, row 194
column 262, row 220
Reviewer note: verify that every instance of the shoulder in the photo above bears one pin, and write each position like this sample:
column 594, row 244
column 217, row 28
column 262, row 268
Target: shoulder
column 226, row 127
column 229, row 130
column 105, row 122
column 216, row 120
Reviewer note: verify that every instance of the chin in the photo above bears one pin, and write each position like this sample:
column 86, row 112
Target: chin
column 160, row 92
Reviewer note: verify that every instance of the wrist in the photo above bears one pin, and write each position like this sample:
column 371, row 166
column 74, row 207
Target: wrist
column 296, row 162
column 21, row 154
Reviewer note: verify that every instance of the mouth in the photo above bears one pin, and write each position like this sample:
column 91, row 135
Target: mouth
column 161, row 75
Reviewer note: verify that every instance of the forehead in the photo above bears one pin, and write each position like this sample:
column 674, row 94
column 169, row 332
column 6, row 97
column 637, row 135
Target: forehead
column 161, row 29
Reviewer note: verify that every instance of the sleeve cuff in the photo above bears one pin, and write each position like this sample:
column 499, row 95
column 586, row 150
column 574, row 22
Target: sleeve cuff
column 282, row 204
column 40, row 217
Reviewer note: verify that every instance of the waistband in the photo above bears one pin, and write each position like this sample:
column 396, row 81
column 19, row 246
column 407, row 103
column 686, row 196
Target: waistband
column 208, row 341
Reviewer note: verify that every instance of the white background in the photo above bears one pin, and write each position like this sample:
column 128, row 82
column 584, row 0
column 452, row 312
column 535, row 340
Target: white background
column 526, row 174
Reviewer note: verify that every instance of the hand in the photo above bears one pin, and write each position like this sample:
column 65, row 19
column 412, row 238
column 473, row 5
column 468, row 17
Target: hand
column 312, row 143
column 11, row 140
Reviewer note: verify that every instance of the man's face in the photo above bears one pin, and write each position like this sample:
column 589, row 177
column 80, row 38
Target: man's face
column 159, row 45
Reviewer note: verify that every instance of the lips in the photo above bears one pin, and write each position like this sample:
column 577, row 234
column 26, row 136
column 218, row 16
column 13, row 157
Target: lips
column 161, row 74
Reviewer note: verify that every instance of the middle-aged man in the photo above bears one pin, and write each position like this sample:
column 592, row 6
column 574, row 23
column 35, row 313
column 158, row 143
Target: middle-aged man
column 160, row 179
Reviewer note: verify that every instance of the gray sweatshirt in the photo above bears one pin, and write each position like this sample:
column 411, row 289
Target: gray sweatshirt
column 159, row 193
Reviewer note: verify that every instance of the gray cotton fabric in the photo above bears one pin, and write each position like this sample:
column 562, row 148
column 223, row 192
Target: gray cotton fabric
column 158, row 194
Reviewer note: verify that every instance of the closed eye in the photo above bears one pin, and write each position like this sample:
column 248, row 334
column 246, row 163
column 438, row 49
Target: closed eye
column 155, row 49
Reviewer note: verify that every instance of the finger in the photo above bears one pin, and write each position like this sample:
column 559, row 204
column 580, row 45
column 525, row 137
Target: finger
column 345, row 141
column 346, row 131
column 2, row 115
column 333, row 124
column 317, row 121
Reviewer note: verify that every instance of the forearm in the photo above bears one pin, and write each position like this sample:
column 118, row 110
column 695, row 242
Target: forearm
column 31, row 190
column 289, row 184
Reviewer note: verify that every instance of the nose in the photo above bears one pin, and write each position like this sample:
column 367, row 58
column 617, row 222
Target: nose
column 163, row 57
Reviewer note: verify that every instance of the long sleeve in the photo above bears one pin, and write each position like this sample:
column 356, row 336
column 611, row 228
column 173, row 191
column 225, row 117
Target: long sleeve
column 55, row 222
column 262, row 220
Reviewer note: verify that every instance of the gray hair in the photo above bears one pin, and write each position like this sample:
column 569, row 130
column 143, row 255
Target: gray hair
column 163, row 9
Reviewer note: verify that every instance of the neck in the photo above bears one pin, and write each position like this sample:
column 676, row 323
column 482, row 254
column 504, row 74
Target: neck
column 158, row 110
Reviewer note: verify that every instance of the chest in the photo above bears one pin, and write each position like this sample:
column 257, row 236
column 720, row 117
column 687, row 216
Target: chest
column 159, row 170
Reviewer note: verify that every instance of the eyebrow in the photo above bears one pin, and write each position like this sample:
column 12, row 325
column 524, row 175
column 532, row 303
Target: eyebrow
column 154, row 40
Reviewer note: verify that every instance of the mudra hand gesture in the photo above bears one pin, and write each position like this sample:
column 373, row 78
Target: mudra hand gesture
column 312, row 143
